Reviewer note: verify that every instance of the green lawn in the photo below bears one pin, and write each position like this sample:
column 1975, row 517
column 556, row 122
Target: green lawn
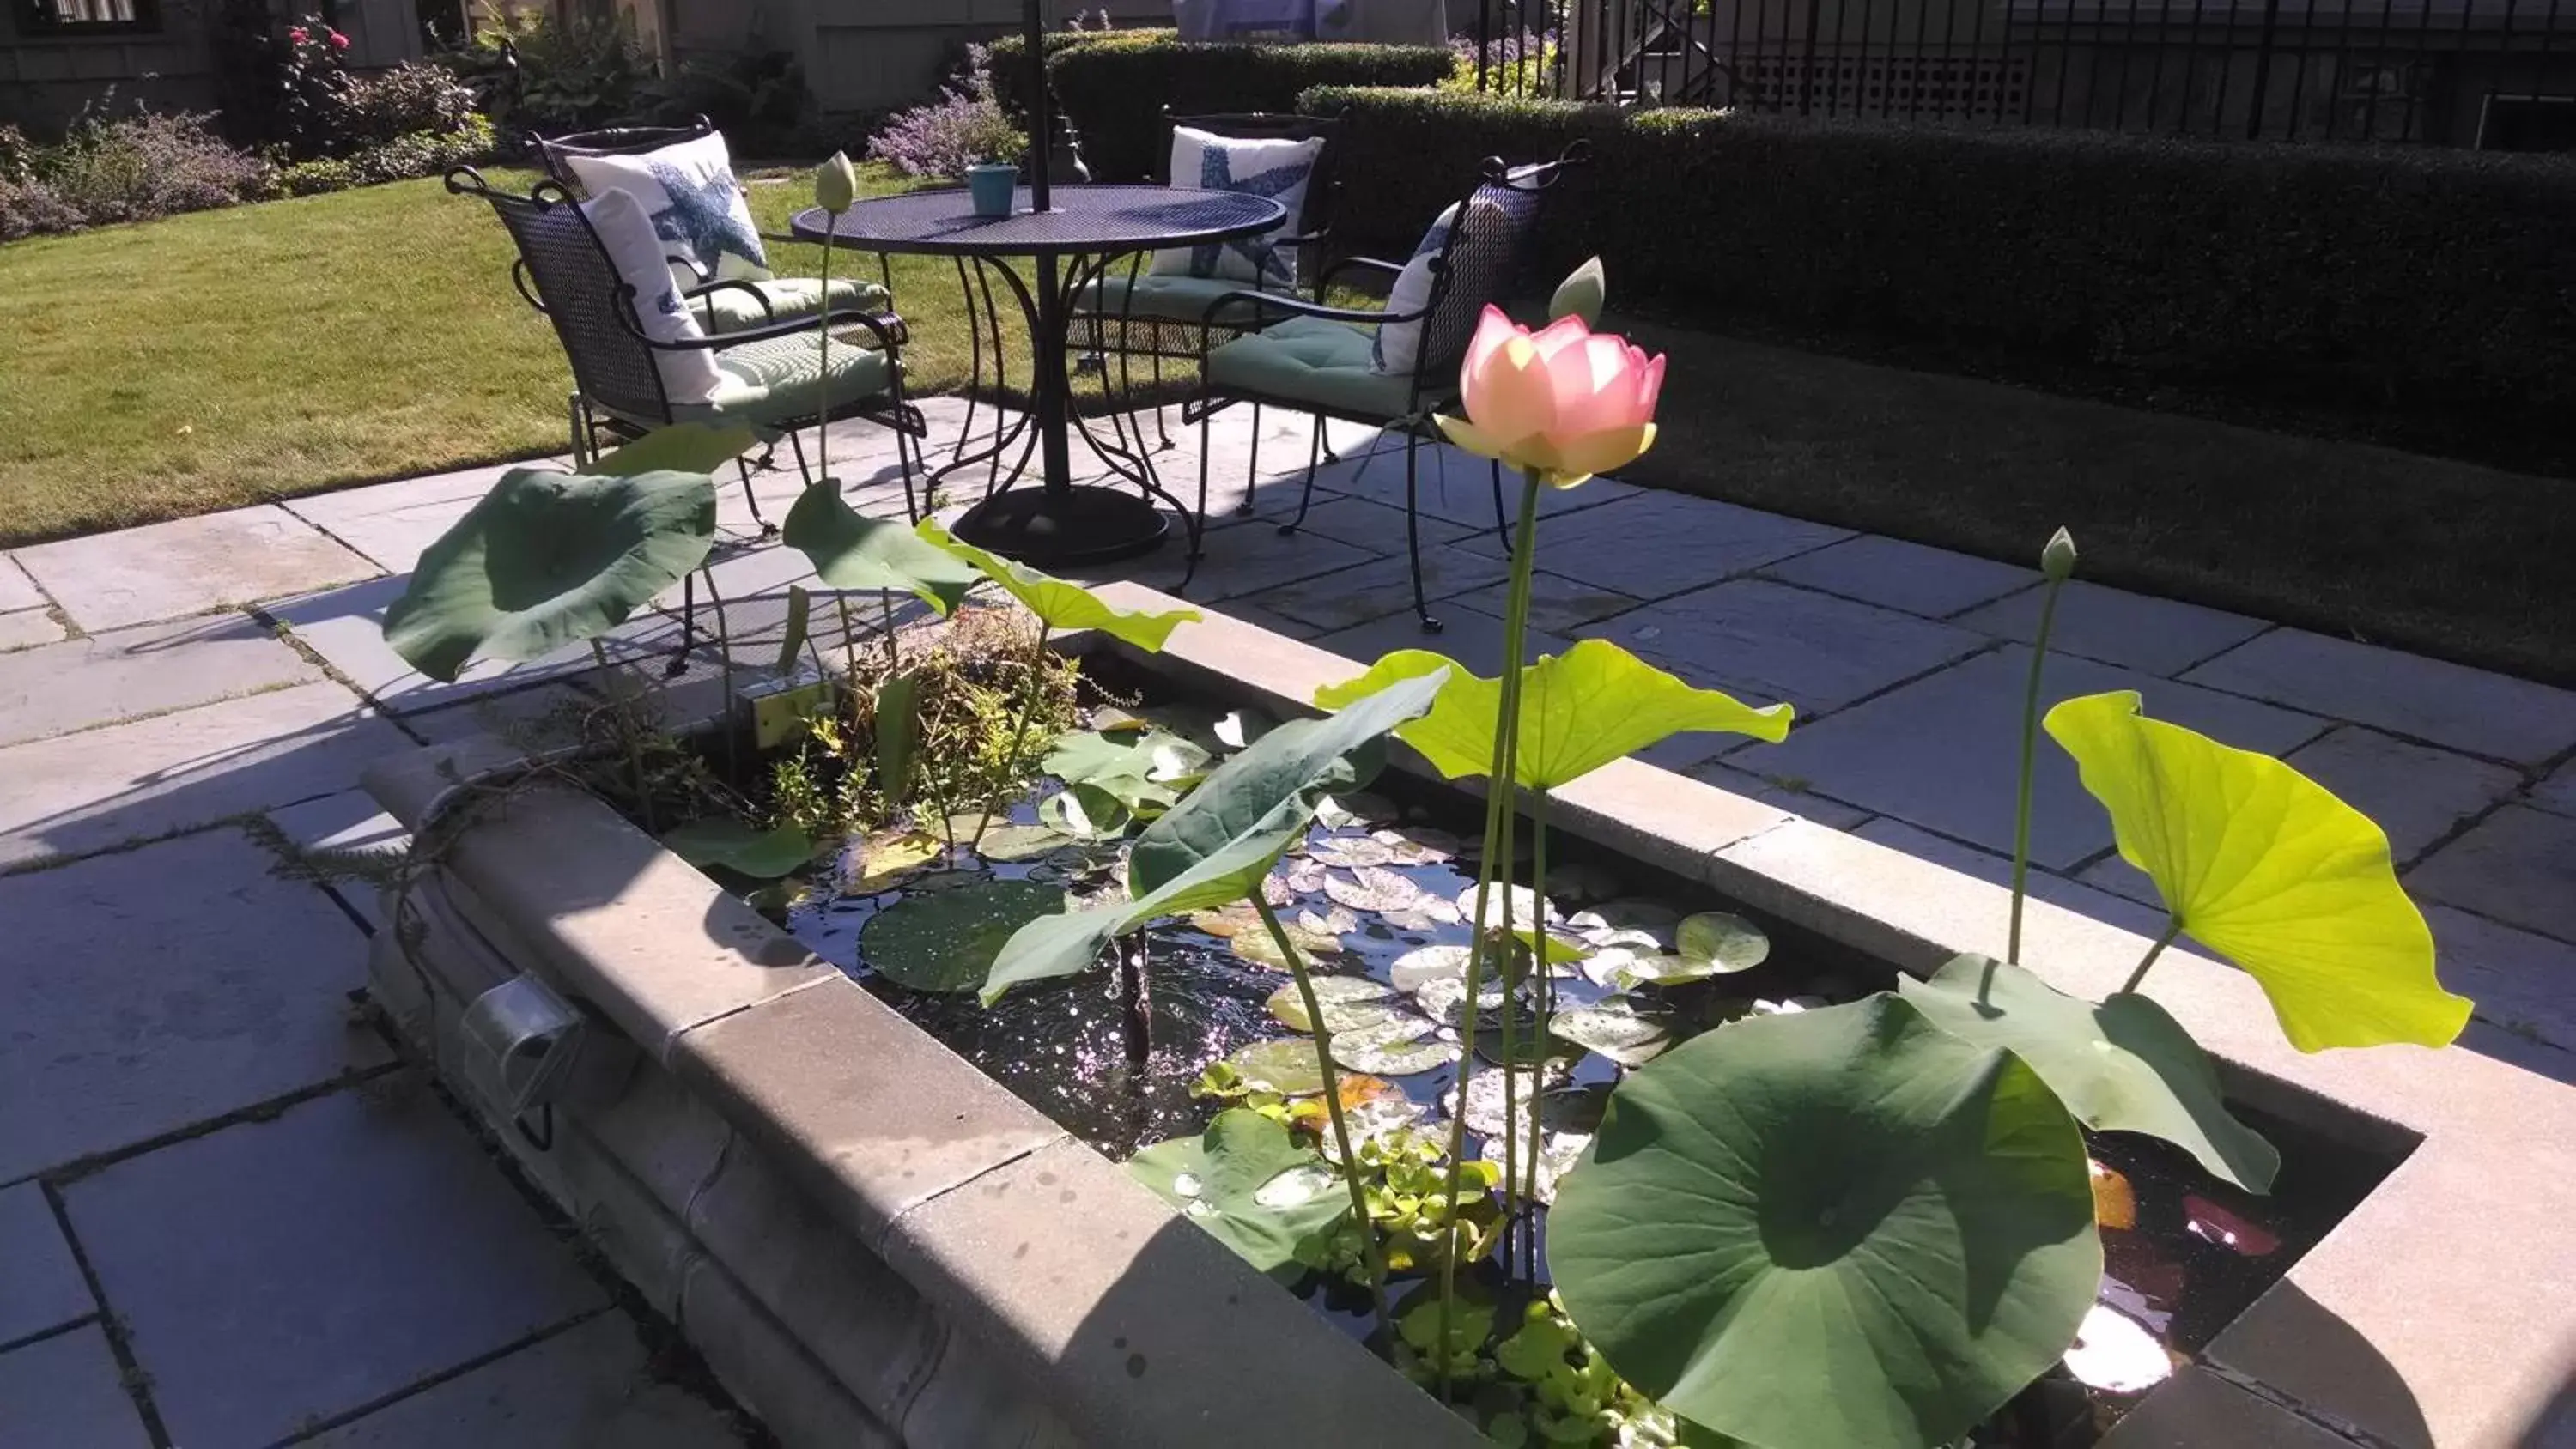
column 259, row 352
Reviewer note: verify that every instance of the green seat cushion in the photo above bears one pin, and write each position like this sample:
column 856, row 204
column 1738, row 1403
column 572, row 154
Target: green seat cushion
column 1313, row 361
column 727, row 309
column 1167, row 298
column 772, row 382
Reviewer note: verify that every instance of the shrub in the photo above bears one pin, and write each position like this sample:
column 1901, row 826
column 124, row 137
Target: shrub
column 141, row 166
column 2428, row 279
column 412, row 99
column 963, row 127
column 570, row 76
column 29, row 207
column 1116, row 85
column 422, row 153
column 757, row 99
column 311, row 79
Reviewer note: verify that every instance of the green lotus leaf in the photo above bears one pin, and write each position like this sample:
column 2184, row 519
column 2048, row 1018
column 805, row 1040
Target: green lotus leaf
column 722, row 840
column 679, row 448
column 898, row 733
column 1059, row 605
column 548, row 559
column 1248, row 1183
column 1579, row 710
column 1085, row 812
column 2267, row 868
column 1842, row 1226
column 2121, row 1066
column 853, row 552
column 1285, row 1065
column 943, row 940
column 1218, row 843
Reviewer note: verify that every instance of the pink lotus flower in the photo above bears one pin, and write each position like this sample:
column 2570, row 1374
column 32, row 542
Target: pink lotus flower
column 1565, row 401
column 338, row 41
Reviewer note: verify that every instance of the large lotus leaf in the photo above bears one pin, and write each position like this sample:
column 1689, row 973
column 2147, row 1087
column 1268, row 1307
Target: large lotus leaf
column 722, row 840
column 549, row 559
column 1217, row 844
column 1842, row 1226
column 852, row 552
column 2121, row 1066
column 2266, row 867
column 679, row 448
column 1060, row 605
column 943, row 940
column 1249, row 1184
column 1579, row 710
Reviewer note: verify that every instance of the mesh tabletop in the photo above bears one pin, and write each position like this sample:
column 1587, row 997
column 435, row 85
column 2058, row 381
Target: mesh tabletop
column 1084, row 220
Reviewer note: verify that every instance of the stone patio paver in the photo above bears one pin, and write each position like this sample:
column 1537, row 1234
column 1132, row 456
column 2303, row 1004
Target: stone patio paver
column 2522, row 983
column 88, row 791
column 1764, row 642
column 1473, row 638
column 2134, row 631
column 1557, row 603
column 276, row 1272
column 1657, row 544
column 1449, row 484
column 345, row 626
column 17, row 591
column 2416, row 793
column 2427, row 699
column 1374, row 590
column 189, row 566
column 348, row 823
column 1942, row 752
column 1911, row 577
column 41, row 1287
column 1359, row 521
column 390, row 523
column 66, row 1392
column 1239, row 561
column 589, row 1386
column 153, row 989
column 1996, row 869
column 1817, row 808
column 27, row 628
column 2558, row 792
column 2517, row 866
column 146, row 670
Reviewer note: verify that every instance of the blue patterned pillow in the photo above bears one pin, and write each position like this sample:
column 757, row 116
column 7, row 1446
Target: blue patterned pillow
column 1399, row 344
column 696, row 206
column 1276, row 169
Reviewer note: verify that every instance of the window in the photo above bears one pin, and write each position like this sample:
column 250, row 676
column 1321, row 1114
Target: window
column 90, row 17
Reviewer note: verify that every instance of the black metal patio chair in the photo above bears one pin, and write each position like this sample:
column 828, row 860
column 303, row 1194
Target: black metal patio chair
column 1321, row 357
column 771, row 378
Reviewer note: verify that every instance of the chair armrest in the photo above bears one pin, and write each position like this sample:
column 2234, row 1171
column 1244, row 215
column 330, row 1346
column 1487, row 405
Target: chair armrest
column 1391, row 270
column 1300, row 307
column 683, row 264
column 889, row 329
column 766, row 311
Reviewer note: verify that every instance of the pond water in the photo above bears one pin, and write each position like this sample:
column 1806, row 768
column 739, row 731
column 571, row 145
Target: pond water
column 1375, row 891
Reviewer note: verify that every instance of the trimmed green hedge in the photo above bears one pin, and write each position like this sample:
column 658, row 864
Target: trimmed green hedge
column 1115, row 84
column 2425, row 279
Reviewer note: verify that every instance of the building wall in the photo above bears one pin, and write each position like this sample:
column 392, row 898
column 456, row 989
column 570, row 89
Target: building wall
column 46, row 79
column 863, row 56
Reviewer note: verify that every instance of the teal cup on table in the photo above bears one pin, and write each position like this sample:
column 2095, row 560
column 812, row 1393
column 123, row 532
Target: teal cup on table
column 991, row 185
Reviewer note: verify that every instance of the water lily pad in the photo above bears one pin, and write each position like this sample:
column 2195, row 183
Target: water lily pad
column 1445, row 1001
column 1428, row 963
column 1712, row 943
column 1355, row 808
column 1336, row 922
column 946, row 941
column 1485, row 1094
column 1350, row 1003
column 1367, row 1120
column 1395, row 1058
column 1614, row 1028
column 1350, row 852
column 1417, row 845
column 1373, row 889
column 1650, row 926
column 1257, row 946
column 1246, row 1181
column 1286, row 1066
column 1276, row 892
column 735, row 845
column 1559, row 1153
column 1524, row 907
column 1016, row 842
column 1085, row 811
column 886, row 859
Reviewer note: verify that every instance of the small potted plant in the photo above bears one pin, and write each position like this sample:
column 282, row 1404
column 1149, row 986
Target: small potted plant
column 991, row 183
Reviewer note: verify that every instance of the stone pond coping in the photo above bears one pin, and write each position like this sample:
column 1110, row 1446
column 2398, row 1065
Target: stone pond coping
column 2437, row 1314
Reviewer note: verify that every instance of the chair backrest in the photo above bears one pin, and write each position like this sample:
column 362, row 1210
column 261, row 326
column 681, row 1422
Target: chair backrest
column 1323, row 188
column 576, row 285
column 1484, row 252
column 615, row 141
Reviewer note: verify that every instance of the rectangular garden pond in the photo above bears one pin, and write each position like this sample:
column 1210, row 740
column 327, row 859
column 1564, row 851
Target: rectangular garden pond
column 870, row 1239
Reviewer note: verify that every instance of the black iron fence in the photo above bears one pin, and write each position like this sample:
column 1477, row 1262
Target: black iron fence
column 2490, row 74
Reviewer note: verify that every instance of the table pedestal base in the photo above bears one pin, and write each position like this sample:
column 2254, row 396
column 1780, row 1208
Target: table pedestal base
column 1048, row 529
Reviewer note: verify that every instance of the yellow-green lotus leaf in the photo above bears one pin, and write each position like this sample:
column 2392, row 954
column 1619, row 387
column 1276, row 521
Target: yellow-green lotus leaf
column 2266, row 867
column 1579, row 710
column 1059, row 605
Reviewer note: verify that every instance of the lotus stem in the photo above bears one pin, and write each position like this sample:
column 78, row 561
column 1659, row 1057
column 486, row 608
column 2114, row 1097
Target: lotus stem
column 1501, row 809
column 1010, row 764
column 2173, row 928
column 1546, row 1011
column 631, row 738
column 2029, row 748
column 823, row 401
column 1370, row 1251
column 724, row 662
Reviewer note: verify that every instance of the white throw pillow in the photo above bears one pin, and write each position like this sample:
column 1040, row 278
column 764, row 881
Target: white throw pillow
column 688, row 376
column 689, row 194
column 1399, row 344
column 1275, row 168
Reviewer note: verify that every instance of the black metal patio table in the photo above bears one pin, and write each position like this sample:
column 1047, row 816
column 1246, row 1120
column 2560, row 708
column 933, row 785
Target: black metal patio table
column 1058, row 523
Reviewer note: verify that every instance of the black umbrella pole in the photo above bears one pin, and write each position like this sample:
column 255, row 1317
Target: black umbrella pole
column 1041, row 106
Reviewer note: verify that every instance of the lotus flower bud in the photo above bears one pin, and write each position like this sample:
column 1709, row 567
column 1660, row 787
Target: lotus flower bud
column 2058, row 559
column 836, row 184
